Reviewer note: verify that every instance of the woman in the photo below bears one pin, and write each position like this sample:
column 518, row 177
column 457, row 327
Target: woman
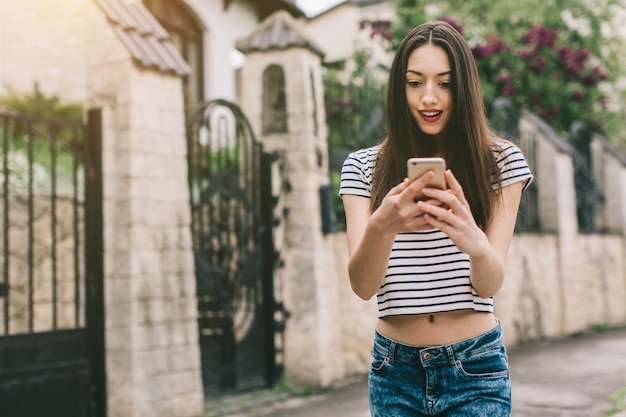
column 435, row 265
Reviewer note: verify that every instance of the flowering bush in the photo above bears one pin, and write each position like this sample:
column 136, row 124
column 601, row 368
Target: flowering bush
column 560, row 83
column 380, row 27
column 551, row 58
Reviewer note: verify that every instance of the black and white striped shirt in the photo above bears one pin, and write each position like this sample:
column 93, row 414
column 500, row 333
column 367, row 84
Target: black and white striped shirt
column 426, row 272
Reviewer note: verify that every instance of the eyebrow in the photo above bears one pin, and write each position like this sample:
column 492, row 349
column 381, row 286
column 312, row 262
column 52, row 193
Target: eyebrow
column 449, row 72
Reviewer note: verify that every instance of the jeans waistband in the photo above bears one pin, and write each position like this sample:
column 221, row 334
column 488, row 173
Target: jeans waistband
column 438, row 355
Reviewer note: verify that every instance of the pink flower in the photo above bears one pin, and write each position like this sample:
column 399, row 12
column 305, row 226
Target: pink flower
column 600, row 73
column 525, row 54
column 458, row 26
column 537, row 65
column 509, row 90
column 588, row 80
column 578, row 96
column 540, row 37
column 480, row 52
column 505, row 78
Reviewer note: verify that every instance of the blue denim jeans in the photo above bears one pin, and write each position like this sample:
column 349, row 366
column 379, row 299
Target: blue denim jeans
column 466, row 378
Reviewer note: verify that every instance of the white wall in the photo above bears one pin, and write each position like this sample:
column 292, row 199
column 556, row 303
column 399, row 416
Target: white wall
column 337, row 32
column 223, row 29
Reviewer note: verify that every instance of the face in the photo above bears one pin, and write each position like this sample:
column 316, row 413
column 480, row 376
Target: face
column 428, row 88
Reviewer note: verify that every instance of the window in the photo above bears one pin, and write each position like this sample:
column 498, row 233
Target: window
column 186, row 34
column 274, row 102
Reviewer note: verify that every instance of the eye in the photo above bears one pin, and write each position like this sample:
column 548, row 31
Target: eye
column 413, row 83
column 446, row 84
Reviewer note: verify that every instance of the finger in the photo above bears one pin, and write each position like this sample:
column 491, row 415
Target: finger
column 435, row 211
column 454, row 184
column 435, row 222
column 434, row 202
column 413, row 190
column 422, row 181
column 399, row 188
column 450, row 204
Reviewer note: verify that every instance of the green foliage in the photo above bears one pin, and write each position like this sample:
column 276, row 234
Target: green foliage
column 354, row 108
column 354, row 114
column 618, row 402
column 31, row 153
column 37, row 104
column 44, row 107
column 37, row 168
column 601, row 327
column 557, row 58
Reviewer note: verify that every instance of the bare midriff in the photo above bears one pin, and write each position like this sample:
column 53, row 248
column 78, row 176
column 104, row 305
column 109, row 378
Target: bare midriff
column 436, row 329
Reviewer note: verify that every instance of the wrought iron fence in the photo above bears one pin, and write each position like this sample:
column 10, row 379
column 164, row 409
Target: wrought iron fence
column 590, row 199
column 51, row 298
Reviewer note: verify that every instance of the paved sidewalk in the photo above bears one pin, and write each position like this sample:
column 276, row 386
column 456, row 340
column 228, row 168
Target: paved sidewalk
column 573, row 377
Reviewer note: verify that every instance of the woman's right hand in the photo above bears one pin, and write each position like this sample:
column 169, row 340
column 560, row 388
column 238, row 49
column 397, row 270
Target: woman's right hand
column 399, row 212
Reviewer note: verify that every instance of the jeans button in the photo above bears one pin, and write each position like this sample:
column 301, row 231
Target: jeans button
column 426, row 355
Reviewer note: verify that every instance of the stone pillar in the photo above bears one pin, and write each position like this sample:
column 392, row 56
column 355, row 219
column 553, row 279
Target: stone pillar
column 310, row 284
column 152, row 348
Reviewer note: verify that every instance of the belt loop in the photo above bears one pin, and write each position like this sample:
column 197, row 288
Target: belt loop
column 451, row 356
column 392, row 351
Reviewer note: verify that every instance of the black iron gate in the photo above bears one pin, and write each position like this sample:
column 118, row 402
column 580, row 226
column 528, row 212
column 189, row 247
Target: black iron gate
column 51, row 298
column 231, row 203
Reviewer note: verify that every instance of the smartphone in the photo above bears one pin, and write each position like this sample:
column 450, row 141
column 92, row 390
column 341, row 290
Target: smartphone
column 416, row 167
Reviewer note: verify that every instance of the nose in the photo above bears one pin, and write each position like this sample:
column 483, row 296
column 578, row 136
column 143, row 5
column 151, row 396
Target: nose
column 429, row 96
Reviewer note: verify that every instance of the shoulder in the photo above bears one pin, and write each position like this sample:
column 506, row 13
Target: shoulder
column 362, row 160
column 365, row 156
column 511, row 163
column 503, row 149
column 356, row 173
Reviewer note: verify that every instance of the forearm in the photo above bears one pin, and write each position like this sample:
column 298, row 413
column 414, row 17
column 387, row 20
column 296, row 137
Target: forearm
column 486, row 272
column 368, row 264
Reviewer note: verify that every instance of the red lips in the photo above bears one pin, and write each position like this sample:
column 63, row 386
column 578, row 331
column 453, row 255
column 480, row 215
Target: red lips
column 431, row 116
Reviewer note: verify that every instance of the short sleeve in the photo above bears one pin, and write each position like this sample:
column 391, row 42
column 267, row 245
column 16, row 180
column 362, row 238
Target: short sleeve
column 512, row 164
column 356, row 173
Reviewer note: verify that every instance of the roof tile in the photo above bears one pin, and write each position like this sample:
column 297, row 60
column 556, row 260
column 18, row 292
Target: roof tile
column 148, row 42
column 278, row 31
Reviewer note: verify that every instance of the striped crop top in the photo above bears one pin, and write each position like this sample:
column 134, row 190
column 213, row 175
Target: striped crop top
column 426, row 272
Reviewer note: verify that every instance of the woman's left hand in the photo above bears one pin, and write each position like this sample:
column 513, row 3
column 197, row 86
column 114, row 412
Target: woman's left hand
column 454, row 217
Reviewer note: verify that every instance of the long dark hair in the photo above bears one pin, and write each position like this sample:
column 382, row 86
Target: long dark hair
column 468, row 143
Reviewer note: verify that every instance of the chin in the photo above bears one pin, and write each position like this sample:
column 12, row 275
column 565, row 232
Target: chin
column 432, row 132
